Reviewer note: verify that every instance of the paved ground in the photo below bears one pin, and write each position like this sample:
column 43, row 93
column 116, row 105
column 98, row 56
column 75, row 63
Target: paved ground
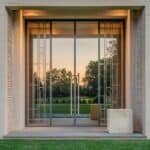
column 68, row 132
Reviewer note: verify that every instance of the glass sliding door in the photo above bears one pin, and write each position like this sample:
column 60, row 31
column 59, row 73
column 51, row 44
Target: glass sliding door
column 110, row 67
column 74, row 72
column 62, row 73
column 87, row 73
column 38, row 67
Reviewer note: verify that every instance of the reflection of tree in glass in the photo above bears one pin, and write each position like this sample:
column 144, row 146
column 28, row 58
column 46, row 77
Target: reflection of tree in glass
column 112, row 47
column 90, row 86
column 61, row 79
column 38, row 85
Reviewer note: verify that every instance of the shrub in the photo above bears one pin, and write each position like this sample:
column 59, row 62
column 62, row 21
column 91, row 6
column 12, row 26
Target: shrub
column 63, row 101
column 56, row 101
column 84, row 101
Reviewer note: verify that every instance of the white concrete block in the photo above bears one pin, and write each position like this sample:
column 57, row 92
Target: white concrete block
column 119, row 121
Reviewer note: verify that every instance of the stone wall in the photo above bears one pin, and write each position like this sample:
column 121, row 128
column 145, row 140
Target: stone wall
column 14, row 68
column 137, row 67
column 3, row 71
column 11, row 61
column 11, row 100
column 147, row 69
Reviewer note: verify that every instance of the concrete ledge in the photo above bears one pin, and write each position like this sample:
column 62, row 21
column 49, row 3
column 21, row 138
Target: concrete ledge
column 69, row 133
column 120, row 121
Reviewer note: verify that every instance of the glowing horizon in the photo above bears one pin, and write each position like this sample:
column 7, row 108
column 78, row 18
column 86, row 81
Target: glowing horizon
column 63, row 54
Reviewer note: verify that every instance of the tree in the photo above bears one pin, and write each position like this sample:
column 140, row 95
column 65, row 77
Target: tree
column 61, row 79
column 91, row 78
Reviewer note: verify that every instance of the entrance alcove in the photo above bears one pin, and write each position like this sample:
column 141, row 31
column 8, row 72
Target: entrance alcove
column 131, row 63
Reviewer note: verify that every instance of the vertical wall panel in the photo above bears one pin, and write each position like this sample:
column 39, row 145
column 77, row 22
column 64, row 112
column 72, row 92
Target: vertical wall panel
column 3, row 71
column 137, row 68
column 11, row 102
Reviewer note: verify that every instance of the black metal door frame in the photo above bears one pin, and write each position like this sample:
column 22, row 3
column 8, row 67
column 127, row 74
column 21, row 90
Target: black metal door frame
column 75, row 75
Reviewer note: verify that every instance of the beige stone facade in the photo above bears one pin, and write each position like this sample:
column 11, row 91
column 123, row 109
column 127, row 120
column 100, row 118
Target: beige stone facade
column 12, row 52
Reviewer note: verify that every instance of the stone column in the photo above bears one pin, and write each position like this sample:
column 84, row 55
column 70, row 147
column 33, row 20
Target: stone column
column 3, row 71
column 147, row 70
column 137, row 67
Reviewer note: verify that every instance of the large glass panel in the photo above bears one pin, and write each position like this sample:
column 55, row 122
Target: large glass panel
column 39, row 66
column 62, row 73
column 110, row 73
column 74, row 72
column 87, row 73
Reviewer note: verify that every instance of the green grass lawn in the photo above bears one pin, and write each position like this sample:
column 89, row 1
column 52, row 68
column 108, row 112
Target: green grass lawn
column 63, row 105
column 64, row 108
column 74, row 145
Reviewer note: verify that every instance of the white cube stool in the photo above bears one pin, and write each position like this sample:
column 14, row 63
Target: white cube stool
column 119, row 121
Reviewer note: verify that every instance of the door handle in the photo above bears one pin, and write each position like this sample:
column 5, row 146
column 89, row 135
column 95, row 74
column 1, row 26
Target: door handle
column 78, row 92
column 75, row 80
column 71, row 94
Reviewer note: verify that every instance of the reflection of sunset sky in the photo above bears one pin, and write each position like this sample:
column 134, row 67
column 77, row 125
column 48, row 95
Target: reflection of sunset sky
column 87, row 50
column 63, row 53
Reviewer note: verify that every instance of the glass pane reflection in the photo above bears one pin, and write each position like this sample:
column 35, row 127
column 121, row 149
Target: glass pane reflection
column 75, row 46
